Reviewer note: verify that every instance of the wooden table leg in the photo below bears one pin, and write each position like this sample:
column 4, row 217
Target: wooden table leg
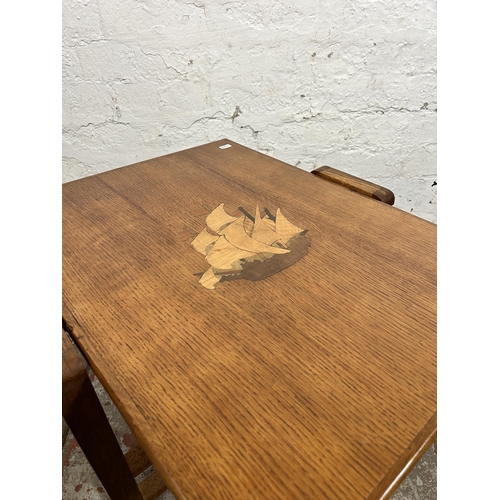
column 88, row 423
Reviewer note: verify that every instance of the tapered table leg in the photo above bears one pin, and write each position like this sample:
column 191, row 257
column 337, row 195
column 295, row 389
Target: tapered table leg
column 88, row 423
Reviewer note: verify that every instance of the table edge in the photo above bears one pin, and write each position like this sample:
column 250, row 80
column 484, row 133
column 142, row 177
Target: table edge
column 407, row 460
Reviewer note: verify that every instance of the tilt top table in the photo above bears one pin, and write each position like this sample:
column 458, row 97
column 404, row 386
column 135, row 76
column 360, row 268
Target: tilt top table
column 265, row 333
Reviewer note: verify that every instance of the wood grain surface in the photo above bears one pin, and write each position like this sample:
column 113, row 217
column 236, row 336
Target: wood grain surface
column 316, row 382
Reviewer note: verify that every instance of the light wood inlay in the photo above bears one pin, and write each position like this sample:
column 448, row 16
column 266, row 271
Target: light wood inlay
column 247, row 247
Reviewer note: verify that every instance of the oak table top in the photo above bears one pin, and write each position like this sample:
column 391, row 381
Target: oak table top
column 266, row 334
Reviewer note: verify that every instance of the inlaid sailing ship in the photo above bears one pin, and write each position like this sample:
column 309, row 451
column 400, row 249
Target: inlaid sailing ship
column 248, row 247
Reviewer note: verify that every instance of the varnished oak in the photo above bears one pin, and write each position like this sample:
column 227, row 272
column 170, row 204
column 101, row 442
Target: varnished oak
column 355, row 184
column 316, row 382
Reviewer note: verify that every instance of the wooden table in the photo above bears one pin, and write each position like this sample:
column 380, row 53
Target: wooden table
column 317, row 381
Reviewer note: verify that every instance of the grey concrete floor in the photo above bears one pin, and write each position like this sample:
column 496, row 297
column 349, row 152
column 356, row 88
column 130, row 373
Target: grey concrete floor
column 79, row 481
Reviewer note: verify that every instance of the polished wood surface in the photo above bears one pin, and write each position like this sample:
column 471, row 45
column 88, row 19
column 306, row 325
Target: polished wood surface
column 316, row 382
column 355, row 184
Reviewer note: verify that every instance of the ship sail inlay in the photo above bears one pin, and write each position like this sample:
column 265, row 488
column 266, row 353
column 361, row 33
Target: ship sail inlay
column 242, row 248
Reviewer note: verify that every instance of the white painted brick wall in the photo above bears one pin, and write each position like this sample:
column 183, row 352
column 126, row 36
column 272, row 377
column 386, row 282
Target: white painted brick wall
column 350, row 84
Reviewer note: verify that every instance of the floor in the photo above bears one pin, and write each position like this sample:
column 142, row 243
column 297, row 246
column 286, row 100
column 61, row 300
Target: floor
column 79, row 481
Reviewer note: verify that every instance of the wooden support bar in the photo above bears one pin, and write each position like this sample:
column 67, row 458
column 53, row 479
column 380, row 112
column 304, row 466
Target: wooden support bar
column 137, row 460
column 356, row 184
column 152, row 487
